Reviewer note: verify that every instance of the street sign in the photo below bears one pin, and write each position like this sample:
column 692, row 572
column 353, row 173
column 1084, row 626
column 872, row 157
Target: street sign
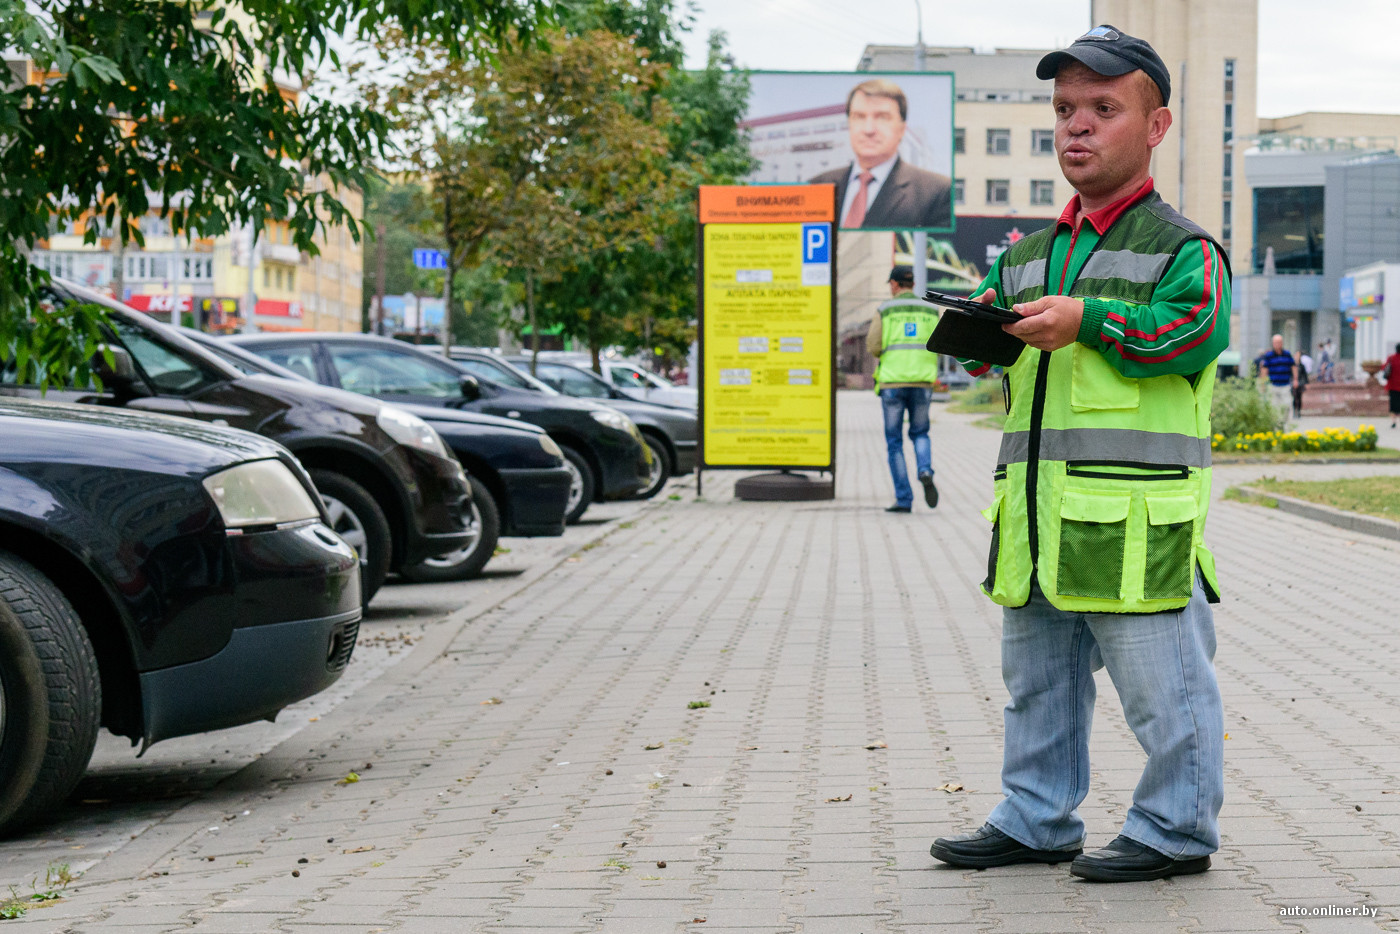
column 767, row 327
column 430, row 259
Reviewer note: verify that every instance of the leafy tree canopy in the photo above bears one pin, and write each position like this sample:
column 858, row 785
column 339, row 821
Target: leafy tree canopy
column 178, row 107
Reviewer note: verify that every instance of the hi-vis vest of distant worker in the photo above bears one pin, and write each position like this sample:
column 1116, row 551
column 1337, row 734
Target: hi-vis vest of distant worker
column 906, row 325
column 1102, row 482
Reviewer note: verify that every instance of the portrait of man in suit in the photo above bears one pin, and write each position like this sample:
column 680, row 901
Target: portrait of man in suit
column 879, row 189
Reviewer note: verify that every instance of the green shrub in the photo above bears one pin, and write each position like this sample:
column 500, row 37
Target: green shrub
column 1240, row 407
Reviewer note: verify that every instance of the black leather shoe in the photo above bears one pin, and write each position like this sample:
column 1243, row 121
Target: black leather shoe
column 988, row 847
column 930, row 491
column 900, row 509
column 1126, row 860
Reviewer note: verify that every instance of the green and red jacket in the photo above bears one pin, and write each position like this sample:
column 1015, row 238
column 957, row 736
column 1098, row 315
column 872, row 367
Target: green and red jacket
column 1103, row 478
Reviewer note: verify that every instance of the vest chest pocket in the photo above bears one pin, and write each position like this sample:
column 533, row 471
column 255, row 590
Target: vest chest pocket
column 1093, row 536
column 1171, row 520
column 1095, row 384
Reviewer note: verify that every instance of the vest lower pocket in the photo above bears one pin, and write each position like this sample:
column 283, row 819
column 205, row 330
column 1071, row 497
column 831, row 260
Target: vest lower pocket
column 1093, row 538
column 1171, row 520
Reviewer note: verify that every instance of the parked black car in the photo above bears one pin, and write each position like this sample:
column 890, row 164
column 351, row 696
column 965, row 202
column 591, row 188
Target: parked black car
column 672, row 433
column 157, row 577
column 603, row 447
column 520, row 484
column 393, row 489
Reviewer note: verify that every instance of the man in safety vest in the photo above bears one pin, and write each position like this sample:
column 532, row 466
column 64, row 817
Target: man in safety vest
column 904, row 378
column 1101, row 489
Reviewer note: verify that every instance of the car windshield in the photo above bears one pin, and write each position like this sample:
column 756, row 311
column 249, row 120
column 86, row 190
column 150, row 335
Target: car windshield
column 372, row 371
column 574, row 381
column 503, row 374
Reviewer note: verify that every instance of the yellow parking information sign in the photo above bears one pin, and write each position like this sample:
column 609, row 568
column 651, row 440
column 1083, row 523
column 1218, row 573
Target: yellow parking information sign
column 767, row 353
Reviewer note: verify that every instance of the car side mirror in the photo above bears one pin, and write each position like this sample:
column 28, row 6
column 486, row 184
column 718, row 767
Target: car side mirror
column 471, row 389
column 120, row 374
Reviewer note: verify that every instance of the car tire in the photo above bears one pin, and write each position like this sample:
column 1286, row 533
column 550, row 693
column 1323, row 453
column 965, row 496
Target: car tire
column 50, row 695
column 660, row 467
column 583, row 486
column 466, row 562
column 357, row 518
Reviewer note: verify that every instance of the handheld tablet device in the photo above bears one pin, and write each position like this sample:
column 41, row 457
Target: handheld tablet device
column 968, row 307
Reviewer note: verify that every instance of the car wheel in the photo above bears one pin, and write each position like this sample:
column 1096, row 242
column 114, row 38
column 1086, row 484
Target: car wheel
column 50, row 695
column 660, row 467
column 581, row 484
column 466, row 562
column 357, row 518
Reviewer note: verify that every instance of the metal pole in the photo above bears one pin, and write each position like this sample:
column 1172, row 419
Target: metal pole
column 447, row 311
column 919, row 259
column 379, row 278
column 250, row 295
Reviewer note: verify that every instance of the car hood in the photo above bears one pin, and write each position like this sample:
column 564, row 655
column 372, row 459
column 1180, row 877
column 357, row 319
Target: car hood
column 433, row 413
column 87, row 434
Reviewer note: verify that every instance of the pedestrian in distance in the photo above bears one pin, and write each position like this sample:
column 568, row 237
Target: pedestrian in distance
column 1300, row 385
column 904, row 378
column 1391, row 374
column 1101, row 489
column 1324, row 361
column 1280, row 372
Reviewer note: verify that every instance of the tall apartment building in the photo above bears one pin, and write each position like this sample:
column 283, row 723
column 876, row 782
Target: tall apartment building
column 1211, row 49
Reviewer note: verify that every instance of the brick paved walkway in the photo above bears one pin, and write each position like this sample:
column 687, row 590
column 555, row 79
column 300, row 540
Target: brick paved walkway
column 542, row 765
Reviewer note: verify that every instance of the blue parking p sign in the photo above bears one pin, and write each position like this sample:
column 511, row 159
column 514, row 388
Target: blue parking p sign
column 816, row 243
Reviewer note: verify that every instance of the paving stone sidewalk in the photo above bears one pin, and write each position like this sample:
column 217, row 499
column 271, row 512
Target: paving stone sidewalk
column 551, row 764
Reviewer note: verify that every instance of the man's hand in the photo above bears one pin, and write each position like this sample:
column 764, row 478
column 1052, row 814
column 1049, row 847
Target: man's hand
column 1047, row 323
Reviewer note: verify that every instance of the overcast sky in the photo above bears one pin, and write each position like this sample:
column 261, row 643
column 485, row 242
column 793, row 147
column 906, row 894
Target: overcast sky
column 1335, row 56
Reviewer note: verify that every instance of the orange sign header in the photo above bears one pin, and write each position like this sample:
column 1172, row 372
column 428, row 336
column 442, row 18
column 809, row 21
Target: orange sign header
column 767, row 204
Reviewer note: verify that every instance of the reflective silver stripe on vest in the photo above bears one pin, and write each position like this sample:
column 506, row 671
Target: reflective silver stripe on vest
column 895, row 304
column 1019, row 278
column 1107, row 444
column 906, row 347
column 1125, row 264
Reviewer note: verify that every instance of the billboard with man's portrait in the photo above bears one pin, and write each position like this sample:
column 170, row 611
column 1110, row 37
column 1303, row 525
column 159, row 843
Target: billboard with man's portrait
column 884, row 139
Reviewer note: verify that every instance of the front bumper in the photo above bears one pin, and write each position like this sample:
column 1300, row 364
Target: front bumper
column 687, row 455
column 295, row 599
column 626, row 463
column 442, row 505
column 535, row 501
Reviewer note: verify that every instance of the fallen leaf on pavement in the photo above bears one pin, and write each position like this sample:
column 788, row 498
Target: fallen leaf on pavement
column 350, row 779
column 837, row 800
column 359, row 849
column 653, row 745
column 1227, row 735
column 490, row 701
column 949, row 787
column 878, row 746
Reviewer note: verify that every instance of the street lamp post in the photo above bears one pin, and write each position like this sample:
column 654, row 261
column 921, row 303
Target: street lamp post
column 919, row 260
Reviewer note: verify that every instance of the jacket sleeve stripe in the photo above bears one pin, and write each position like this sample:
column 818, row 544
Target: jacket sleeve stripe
column 1189, row 316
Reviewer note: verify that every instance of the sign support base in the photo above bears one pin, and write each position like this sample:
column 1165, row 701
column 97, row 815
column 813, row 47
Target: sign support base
column 785, row 487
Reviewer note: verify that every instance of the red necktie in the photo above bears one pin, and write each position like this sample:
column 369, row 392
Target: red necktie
column 856, row 215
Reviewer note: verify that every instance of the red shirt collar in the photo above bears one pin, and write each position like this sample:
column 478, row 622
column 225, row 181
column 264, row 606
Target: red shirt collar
column 1103, row 218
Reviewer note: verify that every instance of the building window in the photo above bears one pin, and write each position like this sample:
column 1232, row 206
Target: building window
column 1042, row 191
column 959, row 191
column 1229, row 67
column 1042, row 143
column 267, row 277
column 1228, row 169
column 1229, row 116
column 998, row 142
column 998, row 191
column 959, row 140
column 1289, row 219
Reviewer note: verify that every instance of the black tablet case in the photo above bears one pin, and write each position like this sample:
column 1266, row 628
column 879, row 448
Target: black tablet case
column 961, row 335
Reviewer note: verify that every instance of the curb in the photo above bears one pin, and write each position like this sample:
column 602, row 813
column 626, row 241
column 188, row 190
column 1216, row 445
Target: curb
column 1350, row 521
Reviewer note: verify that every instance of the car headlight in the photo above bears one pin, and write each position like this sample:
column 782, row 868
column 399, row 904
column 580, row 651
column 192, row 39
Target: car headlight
column 550, row 448
column 615, row 420
column 408, row 429
column 260, row 493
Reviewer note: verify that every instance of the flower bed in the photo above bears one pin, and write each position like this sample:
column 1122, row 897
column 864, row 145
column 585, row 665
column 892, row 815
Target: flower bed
column 1299, row 442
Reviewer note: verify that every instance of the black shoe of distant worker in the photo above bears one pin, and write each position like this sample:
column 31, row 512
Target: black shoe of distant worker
column 899, row 508
column 988, row 847
column 1126, row 860
column 930, row 491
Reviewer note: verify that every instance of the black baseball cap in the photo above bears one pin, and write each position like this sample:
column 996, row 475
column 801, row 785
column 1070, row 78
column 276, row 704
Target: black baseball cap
column 902, row 275
column 1109, row 51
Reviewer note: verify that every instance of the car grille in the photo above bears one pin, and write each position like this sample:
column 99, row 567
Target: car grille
column 342, row 646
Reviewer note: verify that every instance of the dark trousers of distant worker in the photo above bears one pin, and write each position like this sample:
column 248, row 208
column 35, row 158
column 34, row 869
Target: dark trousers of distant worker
column 915, row 401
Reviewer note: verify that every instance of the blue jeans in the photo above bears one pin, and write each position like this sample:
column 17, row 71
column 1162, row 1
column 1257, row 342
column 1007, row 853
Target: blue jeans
column 1161, row 665
column 915, row 400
